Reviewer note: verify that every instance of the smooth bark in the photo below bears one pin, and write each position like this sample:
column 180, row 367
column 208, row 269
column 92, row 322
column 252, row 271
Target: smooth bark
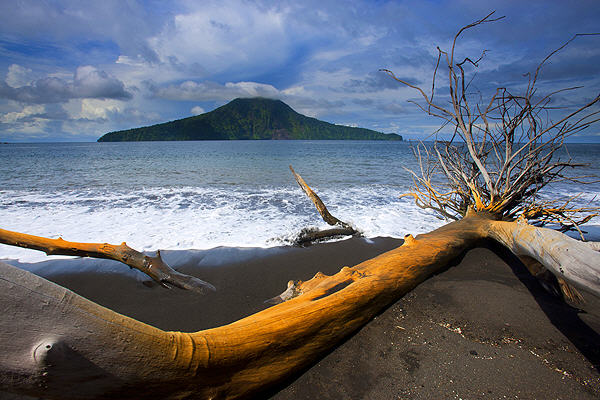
column 575, row 261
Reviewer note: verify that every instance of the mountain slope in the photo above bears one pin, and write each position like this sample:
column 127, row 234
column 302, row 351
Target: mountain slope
column 245, row 119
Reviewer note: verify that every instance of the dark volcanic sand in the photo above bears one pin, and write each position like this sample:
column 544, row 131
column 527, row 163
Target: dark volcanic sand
column 474, row 331
column 482, row 329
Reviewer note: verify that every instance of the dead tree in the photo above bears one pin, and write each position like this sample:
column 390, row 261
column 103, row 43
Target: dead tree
column 503, row 151
column 68, row 347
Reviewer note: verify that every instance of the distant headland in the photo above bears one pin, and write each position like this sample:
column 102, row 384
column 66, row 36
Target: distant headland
column 247, row 119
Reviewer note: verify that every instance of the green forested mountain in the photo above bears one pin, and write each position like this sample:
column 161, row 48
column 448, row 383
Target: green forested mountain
column 243, row 119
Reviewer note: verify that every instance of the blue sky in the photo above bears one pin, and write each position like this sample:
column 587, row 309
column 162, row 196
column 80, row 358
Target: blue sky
column 74, row 70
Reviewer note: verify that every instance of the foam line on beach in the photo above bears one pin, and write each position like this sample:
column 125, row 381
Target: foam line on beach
column 195, row 218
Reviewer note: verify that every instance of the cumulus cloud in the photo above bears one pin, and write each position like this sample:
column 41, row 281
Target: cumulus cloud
column 91, row 83
column 224, row 36
column 298, row 97
column 197, row 110
column 26, row 113
column 18, row 76
column 32, row 120
column 85, row 119
column 87, row 82
column 320, row 58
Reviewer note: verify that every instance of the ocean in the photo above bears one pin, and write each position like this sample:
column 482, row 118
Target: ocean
column 203, row 195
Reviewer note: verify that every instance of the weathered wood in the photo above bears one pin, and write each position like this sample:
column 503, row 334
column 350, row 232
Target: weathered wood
column 554, row 285
column 313, row 235
column 310, row 235
column 129, row 359
column 505, row 148
column 594, row 245
column 327, row 217
column 572, row 260
column 154, row 267
column 56, row 344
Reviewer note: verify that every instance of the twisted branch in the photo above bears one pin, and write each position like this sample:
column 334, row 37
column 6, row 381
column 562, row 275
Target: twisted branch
column 154, row 267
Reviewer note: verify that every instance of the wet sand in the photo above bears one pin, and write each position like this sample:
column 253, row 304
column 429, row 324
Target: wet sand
column 482, row 329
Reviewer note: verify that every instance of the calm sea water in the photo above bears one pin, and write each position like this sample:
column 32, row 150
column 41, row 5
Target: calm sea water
column 199, row 195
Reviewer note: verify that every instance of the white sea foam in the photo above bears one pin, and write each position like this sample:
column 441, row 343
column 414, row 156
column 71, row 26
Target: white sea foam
column 196, row 218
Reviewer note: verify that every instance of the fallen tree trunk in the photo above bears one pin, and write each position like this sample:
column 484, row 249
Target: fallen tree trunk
column 68, row 347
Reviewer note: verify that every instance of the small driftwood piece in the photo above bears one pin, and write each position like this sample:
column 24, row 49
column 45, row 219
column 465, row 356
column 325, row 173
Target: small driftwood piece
column 309, row 235
column 154, row 267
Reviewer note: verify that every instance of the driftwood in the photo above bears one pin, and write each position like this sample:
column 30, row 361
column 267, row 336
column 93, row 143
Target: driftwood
column 56, row 344
column 341, row 228
column 504, row 148
column 553, row 284
column 154, row 266
column 568, row 259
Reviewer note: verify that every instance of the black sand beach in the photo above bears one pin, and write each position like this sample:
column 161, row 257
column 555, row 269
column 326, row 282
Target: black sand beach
column 482, row 329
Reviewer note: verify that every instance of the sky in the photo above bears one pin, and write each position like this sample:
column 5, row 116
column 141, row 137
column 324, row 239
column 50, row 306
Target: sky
column 74, row 70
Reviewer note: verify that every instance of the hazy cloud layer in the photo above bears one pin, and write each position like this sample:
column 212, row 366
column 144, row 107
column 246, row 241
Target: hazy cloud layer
column 210, row 91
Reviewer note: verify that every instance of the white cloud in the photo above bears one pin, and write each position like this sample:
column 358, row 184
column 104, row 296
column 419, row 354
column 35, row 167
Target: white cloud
column 93, row 109
column 229, row 35
column 197, row 110
column 107, row 111
column 18, row 76
column 27, row 111
column 32, row 120
column 319, row 57
column 93, row 117
column 133, row 61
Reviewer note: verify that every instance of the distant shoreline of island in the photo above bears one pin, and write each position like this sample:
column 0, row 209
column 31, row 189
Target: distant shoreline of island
column 247, row 119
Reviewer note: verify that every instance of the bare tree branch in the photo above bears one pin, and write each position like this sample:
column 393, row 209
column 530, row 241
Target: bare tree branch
column 154, row 267
column 503, row 151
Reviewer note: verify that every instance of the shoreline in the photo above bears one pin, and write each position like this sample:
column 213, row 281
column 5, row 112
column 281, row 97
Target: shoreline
column 482, row 329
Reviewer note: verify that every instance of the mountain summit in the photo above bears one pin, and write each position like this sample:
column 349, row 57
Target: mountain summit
column 247, row 119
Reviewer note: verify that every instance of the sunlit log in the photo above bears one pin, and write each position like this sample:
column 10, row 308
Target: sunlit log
column 56, row 344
